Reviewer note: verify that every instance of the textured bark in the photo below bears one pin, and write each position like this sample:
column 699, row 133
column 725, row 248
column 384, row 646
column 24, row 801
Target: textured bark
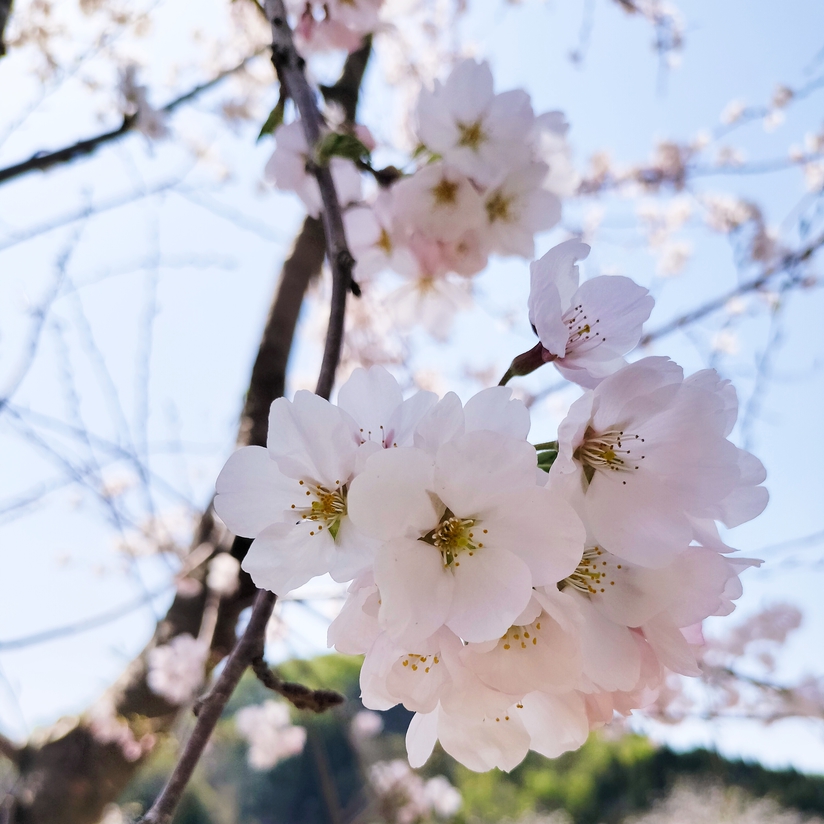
column 5, row 11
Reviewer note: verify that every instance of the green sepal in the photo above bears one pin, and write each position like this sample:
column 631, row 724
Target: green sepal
column 340, row 144
column 275, row 118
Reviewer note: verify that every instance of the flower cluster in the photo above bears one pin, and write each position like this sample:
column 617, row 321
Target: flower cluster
column 488, row 176
column 513, row 596
column 403, row 797
column 271, row 735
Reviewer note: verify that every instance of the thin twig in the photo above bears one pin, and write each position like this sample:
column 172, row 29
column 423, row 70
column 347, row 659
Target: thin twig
column 289, row 66
column 45, row 160
column 301, row 696
column 787, row 261
column 211, row 708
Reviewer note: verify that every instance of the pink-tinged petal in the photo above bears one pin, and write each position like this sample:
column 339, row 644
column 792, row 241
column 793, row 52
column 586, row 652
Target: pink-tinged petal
column 405, row 419
column 421, row 736
column 251, row 492
column 539, row 655
column 571, row 434
column 496, row 410
column 633, row 517
column 416, row 590
column 557, row 723
column 375, row 692
column 370, row 397
column 538, row 526
column 483, row 744
column 616, row 309
column 295, row 440
column 611, row 658
column 471, row 470
column 354, row 552
column 631, row 384
column 557, row 267
column 469, row 90
column 442, row 423
column 418, row 680
column 491, row 589
column 588, row 374
column 671, row 647
column 747, row 500
column 355, row 628
column 392, row 497
column 286, row 556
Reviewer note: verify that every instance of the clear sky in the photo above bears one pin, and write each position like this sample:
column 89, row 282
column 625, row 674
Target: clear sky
column 172, row 269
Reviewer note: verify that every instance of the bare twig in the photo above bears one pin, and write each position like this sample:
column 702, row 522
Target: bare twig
column 787, row 261
column 301, row 696
column 211, row 708
column 45, row 160
column 5, row 11
column 289, row 66
column 80, row 626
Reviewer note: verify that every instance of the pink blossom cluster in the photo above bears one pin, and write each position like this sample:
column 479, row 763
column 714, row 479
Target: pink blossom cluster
column 488, row 175
column 333, row 24
column 513, row 596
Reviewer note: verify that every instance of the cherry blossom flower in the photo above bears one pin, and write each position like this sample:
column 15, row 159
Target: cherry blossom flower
column 374, row 240
column 176, row 668
column 464, row 534
column 517, row 206
column 272, row 737
column 553, row 149
column 287, row 169
column 471, row 127
column 584, row 330
column 439, row 201
column 291, row 497
column 650, row 450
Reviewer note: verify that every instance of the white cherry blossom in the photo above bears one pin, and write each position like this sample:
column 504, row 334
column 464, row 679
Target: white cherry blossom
column 291, row 497
column 470, row 126
column 650, row 451
column 440, row 201
column 584, row 330
column 465, row 535
column 517, row 206
column 271, row 735
column 176, row 668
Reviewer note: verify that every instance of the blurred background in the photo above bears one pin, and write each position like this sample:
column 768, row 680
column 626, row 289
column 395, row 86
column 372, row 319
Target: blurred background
column 140, row 250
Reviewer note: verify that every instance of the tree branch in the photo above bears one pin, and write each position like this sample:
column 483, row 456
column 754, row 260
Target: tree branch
column 211, row 709
column 289, row 66
column 45, row 160
column 299, row 695
column 5, row 12
column 786, row 262
column 10, row 750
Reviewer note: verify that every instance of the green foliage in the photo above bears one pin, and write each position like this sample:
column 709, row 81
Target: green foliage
column 602, row 783
column 340, row 144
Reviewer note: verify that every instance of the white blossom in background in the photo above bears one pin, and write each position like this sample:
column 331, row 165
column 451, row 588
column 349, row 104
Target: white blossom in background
column 147, row 120
column 471, row 127
column 405, row 798
column 109, row 727
column 223, row 574
column 270, row 733
column 176, row 668
column 365, row 725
